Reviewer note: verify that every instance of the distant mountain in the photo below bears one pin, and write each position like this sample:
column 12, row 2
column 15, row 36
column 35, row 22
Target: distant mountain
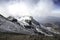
column 49, row 19
column 53, row 19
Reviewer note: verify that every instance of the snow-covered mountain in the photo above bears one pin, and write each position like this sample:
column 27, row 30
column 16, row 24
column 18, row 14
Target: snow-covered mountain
column 27, row 25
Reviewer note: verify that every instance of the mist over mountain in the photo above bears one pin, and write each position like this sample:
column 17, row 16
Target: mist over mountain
column 38, row 9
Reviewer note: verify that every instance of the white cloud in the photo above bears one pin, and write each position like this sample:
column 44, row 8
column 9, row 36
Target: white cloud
column 18, row 9
column 43, row 8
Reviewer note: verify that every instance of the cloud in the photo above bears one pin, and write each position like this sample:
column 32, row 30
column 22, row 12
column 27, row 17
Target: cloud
column 42, row 9
column 36, row 8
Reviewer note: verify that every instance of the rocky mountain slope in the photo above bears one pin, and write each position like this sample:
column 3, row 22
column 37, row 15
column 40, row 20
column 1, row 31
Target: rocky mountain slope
column 27, row 25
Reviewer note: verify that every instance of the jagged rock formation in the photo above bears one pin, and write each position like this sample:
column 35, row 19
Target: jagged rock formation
column 26, row 25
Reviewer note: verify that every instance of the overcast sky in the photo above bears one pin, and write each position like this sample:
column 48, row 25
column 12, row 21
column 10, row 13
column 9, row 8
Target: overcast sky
column 36, row 8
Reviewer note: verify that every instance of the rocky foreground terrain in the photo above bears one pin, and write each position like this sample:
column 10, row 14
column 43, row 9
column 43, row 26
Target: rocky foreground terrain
column 5, row 36
column 16, row 30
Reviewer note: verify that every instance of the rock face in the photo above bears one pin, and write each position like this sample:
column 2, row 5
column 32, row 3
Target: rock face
column 25, row 25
